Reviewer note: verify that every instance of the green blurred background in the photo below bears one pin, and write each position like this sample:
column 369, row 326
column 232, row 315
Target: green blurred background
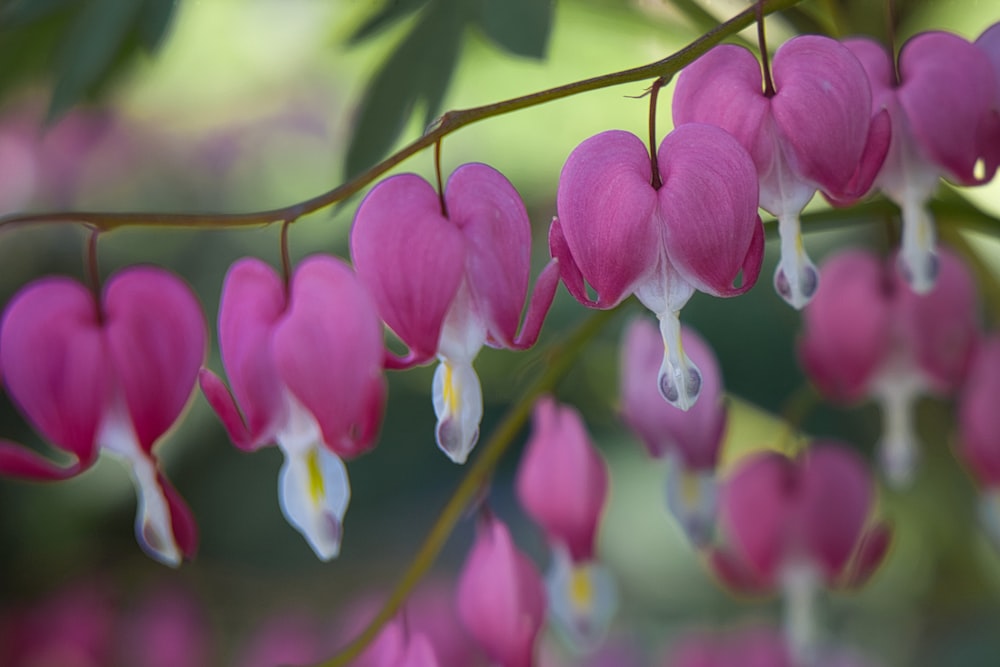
column 253, row 104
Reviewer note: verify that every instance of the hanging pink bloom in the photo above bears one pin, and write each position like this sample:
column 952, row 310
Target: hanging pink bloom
column 989, row 42
column 501, row 599
column 112, row 376
column 815, row 131
column 699, row 230
column 940, row 104
column 689, row 440
column 799, row 524
column 562, row 483
column 304, row 363
column 450, row 274
column 867, row 334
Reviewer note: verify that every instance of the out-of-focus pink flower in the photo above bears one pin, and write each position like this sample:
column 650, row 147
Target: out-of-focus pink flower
column 168, row 629
column 940, row 97
column 866, row 334
column 562, row 483
column 305, row 366
column 697, row 230
column 112, row 376
column 501, row 598
column 815, row 131
column 989, row 42
column 449, row 274
column 292, row 638
column 691, row 439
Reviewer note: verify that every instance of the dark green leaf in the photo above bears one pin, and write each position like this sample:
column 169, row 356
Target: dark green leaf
column 19, row 13
column 153, row 22
column 95, row 37
column 519, row 26
column 418, row 72
column 391, row 11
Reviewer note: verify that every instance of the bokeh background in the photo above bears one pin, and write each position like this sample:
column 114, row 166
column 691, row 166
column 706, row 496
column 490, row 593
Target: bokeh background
column 251, row 104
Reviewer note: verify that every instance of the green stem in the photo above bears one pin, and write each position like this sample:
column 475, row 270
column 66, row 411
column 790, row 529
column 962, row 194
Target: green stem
column 450, row 122
column 559, row 363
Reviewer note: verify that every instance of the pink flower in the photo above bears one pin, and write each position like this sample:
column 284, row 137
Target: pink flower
column 168, row 629
column 112, row 376
column 989, row 42
column 304, row 362
column 690, row 440
column 815, row 131
column 699, row 230
column 940, row 105
column 866, row 334
column 562, row 483
column 501, row 599
column 450, row 274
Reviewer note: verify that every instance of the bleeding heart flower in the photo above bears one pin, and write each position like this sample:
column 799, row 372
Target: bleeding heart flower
column 940, row 98
column 698, row 230
column 689, row 440
column 989, row 42
column 501, row 599
column 562, row 483
column 305, row 365
column 866, row 334
column 449, row 274
column 112, row 376
column 815, row 131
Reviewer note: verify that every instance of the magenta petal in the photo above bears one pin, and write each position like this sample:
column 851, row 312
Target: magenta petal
column 696, row 434
column 709, row 205
column 328, row 351
column 876, row 150
column 501, row 598
column 937, row 66
column 733, row 101
column 607, row 215
column 156, row 336
column 490, row 213
column 562, row 481
column 55, row 364
column 221, row 400
column 736, row 575
column 979, row 416
column 410, row 257
column 19, row 461
column 823, row 109
column 569, row 272
column 835, row 500
column 847, row 327
column 941, row 326
column 253, row 300
column 755, row 509
column 182, row 521
column 538, row 308
column 869, row 555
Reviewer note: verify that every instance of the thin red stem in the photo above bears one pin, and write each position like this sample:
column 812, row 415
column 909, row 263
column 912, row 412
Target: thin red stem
column 93, row 270
column 764, row 58
column 286, row 260
column 654, row 93
column 440, row 181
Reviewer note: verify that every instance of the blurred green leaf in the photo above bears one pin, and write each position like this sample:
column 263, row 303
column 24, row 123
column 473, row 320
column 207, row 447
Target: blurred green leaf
column 418, row 72
column 391, row 12
column 19, row 13
column 154, row 20
column 88, row 50
column 521, row 27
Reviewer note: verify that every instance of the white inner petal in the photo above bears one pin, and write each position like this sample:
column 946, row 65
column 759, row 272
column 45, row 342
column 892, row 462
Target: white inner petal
column 896, row 388
column 583, row 599
column 692, row 498
column 800, row 584
column 458, row 404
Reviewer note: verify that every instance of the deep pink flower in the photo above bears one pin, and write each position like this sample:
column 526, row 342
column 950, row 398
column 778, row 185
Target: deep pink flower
column 304, row 363
column 288, row 639
column 815, row 132
column 450, row 274
column 941, row 110
column 690, row 440
column 562, row 483
column 867, row 334
column 698, row 231
column 989, row 42
column 167, row 629
column 114, row 377
column 501, row 599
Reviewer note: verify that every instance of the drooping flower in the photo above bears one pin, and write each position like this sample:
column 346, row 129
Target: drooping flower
column 112, row 376
column 867, row 334
column 501, row 598
column 689, row 440
column 797, row 525
column 940, row 98
column 699, row 230
column 989, row 42
column 449, row 274
column 815, row 131
column 305, row 366
column 562, row 483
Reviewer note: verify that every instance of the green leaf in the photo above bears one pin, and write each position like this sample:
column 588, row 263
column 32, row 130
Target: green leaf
column 96, row 35
column 391, row 12
column 417, row 73
column 20, row 13
column 521, row 27
column 153, row 23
